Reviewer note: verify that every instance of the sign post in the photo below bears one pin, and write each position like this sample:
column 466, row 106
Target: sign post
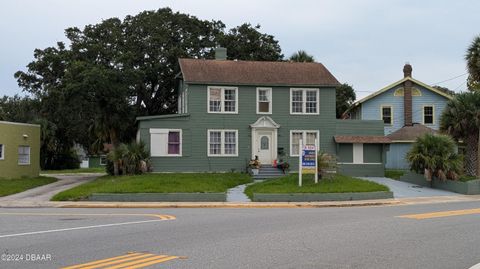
column 308, row 161
column 300, row 163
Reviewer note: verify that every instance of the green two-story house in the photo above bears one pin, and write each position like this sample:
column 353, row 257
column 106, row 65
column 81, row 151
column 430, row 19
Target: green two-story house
column 231, row 111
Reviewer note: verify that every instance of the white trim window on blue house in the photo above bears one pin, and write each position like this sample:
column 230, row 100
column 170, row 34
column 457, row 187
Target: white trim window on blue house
column 428, row 114
column 387, row 114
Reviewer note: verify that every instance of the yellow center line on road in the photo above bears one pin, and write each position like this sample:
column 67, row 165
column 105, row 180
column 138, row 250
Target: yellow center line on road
column 441, row 214
column 113, row 260
column 160, row 216
column 131, row 261
column 141, row 265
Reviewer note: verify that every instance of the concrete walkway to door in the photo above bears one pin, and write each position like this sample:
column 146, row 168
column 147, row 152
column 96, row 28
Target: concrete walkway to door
column 402, row 189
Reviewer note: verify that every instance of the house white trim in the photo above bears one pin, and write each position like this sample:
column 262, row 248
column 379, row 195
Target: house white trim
column 222, row 143
column 265, row 125
column 304, row 138
column 164, row 148
column 304, row 101
column 391, row 114
column 270, row 94
column 433, row 114
column 222, row 100
column 27, row 154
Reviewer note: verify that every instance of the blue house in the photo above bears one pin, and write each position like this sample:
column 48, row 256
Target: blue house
column 409, row 108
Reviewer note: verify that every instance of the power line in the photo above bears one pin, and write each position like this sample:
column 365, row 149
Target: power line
column 436, row 83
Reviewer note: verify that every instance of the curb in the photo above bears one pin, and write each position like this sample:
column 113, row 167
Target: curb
column 230, row 204
column 359, row 203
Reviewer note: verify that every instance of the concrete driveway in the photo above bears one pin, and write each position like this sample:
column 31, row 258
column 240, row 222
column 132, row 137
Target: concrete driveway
column 44, row 193
column 402, row 189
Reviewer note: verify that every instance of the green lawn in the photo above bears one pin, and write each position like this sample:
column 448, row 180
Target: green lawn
column 395, row 174
column 156, row 183
column 75, row 171
column 11, row 186
column 289, row 184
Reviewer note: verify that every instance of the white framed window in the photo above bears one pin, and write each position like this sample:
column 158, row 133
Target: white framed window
column 386, row 113
column 23, row 155
column 428, row 114
column 222, row 99
column 103, row 160
column 304, row 101
column 308, row 137
column 222, row 143
column 264, row 100
column 2, row 152
column 166, row 142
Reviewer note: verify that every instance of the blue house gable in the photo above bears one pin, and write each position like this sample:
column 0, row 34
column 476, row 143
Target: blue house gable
column 408, row 107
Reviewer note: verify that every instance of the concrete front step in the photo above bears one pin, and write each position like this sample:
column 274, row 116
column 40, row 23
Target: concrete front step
column 268, row 176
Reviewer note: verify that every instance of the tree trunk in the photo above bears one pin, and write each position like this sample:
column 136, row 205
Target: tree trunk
column 114, row 141
column 471, row 154
column 478, row 154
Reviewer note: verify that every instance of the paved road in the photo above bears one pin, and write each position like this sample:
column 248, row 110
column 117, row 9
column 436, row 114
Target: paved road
column 45, row 192
column 358, row 237
column 402, row 189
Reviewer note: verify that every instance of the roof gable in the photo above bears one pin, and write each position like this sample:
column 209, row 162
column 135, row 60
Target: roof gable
column 393, row 85
column 200, row 71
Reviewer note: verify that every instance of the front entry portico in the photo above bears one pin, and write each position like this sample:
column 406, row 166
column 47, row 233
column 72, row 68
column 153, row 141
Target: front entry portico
column 264, row 140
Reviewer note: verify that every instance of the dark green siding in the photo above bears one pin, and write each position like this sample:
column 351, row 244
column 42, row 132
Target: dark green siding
column 195, row 128
column 372, row 153
column 372, row 170
column 345, row 153
column 195, row 125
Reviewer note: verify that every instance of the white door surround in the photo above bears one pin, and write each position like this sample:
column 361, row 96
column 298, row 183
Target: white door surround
column 264, row 140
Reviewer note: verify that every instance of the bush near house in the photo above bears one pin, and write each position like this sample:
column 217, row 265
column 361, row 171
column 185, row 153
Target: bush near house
column 434, row 156
column 338, row 184
column 16, row 185
column 156, row 183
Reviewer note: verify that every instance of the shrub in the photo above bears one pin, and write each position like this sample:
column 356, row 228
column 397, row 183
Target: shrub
column 434, row 156
column 131, row 159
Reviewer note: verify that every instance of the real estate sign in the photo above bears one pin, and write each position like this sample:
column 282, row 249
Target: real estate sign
column 309, row 158
column 307, row 161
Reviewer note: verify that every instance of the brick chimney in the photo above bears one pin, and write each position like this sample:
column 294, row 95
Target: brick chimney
column 407, row 95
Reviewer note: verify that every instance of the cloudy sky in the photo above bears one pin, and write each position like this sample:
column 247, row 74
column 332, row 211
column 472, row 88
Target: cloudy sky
column 363, row 42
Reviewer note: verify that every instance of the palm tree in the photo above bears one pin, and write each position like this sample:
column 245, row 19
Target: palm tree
column 302, row 56
column 461, row 120
column 473, row 61
column 434, row 155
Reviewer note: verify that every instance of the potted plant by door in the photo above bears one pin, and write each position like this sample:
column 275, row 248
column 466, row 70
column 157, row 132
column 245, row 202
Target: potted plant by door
column 254, row 166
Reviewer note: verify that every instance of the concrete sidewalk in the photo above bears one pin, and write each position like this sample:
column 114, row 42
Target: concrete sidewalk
column 43, row 194
column 402, row 189
column 381, row 202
